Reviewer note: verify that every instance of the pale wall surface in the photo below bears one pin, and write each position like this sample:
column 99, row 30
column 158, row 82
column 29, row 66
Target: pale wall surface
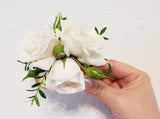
column 134, row 32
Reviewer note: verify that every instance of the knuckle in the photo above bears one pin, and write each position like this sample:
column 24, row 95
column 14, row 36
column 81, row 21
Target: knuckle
column 145, row 76
column 99, row 89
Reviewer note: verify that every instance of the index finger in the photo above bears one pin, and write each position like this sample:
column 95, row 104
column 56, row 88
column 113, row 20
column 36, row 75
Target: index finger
column 122, row 70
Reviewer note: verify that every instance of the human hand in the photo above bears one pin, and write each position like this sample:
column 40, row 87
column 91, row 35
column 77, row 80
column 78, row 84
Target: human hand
column 129, row 95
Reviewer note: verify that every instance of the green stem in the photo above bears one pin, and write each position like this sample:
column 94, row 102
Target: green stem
column 77, row 62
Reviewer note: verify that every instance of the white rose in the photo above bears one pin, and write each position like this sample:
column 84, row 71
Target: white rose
column 39, row 44
column 44, row 64
column 82, row 42
column 66, row 80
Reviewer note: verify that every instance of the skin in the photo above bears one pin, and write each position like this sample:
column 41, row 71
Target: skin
column 129, row 95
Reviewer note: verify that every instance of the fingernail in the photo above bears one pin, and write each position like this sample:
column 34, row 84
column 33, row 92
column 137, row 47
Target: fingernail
column 89, row 84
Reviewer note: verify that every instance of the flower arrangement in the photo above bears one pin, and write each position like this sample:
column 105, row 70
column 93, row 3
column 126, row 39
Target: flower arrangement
column 60, row 57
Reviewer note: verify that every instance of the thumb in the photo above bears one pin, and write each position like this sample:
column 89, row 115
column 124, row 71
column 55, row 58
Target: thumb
column 99, row 89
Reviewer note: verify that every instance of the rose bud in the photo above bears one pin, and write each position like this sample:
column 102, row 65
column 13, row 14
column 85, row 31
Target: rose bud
column 58, row 51
column 94, row 73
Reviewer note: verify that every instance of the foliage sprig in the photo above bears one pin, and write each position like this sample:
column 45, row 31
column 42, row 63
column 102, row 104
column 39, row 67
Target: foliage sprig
column 57, row 22
column 35, row 73
column 37, row 89
column 101, row 32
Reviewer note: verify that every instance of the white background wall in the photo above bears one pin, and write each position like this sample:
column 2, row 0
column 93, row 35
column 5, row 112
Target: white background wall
column 134, row 32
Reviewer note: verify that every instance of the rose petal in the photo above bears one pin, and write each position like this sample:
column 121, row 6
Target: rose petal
column 50, row 84
column 83, row 42
column 38, row 44
column 48, row 51
column 69, row 87
column 66, row 80
column 43, row 64
column 60, row 73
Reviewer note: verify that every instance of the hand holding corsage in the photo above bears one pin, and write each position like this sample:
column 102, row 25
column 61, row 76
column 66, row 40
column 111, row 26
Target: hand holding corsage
column 58, row 57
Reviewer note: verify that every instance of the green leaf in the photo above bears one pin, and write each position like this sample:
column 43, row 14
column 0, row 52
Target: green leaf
column 64, row 18
column 57, row 22
column 42, row 94
column 31, row 74
column 35, row 85
column 105, row 38
column 54, row 25
column 110, row 69
column 26, row 64
column 32, row 101
column 103, row 30
column 37, row 101
column 25, row 68
column 104, row 71
column 22, row 62
column 31, row 90
column 39, row 77
column 105, row 59
column 32, row 96
column 96, row 30
column 38, row 70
